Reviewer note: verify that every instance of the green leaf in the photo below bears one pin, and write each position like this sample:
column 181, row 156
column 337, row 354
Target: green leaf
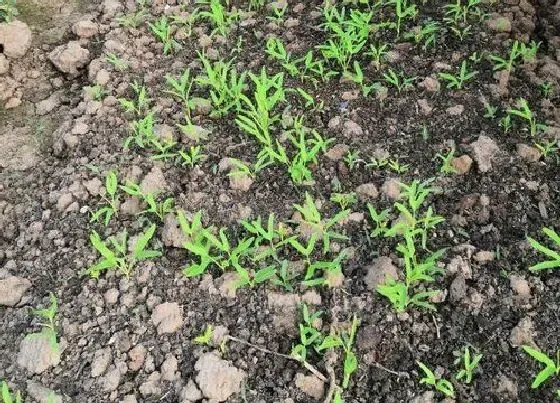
column 111, row 183
column 143, row 240
column 350, row 366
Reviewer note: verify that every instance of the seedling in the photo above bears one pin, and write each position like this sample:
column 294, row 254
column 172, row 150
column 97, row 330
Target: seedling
column 8, row 10
column 519, row 51
column 284, row 277
column 275, row 48
column 344, row 200
column 357, row 76
column 547, row 148
column 524, row 112
column 110, row 197
column 554, row 256
column 440, row 384
column 97, row 92
column 404, row 11
column 505, row 123
column 459, row 11
column 320, row 226
column 490, row 111
column 134, row 19
column 163, row 32
column 139, row 105
column 469, row 364
column 352, row 159
column 551, row 368
column 380, row 220
column 546, row 88
column 226, row 85
column 331, row 271
column 9, row 397
column 185, row 21
column 191, row 157
column 457, row 81
column 279, row 13
column 268, row 239
column 206, row 337
column 398, row 80
column 115, row 61
column 446, row 159
column 425, row 34
column 142, row 132
column 219, row 17
column 47, row 321
column 377, row 54
column 309, row 336
column 181, row 88
column 159, row 209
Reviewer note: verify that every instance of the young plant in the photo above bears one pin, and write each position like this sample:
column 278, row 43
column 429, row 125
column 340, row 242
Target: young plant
column 115, row 253
column 457, row 81
column 218, row 15
column 404, row 11
column 546, row 89
column 8, row 10
column 47, row 322
column 139, row 104
column 377, row 54
column 278, row 11
column 275, row 48
column 524, row 112
column 469, row 364
column 547, row 148
column 323, row 228
column 461, row 10
column 446, row 162
column 6, row 395
column 159, row 209
column 398, row 80
column 115, row 61
column 206, row 337
column 439, row 384
column 191, row 157
column 309, row 336
column 505, row 123
column 352, row 159
column 344, row 200
column 164, row 33
column 181, row 88
column 110, row 197
column 425, row 34
column 490, row 111
column 96, row 92
column 357, row 76
column 519, row 52
column 554, row 256
column 134, row 19
column 380, row 220
column 551, row 367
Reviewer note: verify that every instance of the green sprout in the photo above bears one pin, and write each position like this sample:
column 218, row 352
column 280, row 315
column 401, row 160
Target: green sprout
column 110, row 197
column 163, row 32
column 159, row 209
column 403, row 10
column 115, row 61
column 469, row 363
column 551, row 368
column 7, row 396
column 219, row 17
column 441, row 385
column 206, row 337
column 8, row 10
column 447, row 159
column 134, row 19
column 554, row 256
column 524, row 112
column 377, row 54
column 398, row 80
column 457, row 81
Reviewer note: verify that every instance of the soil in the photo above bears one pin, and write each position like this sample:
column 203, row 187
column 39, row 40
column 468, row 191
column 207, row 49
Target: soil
column 49, row 158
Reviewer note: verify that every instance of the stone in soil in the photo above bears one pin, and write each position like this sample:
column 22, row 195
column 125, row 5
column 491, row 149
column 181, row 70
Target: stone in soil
column 38, row 353
column 484, row 151
column 15, row 38
column 310, row 385
column 12, row 290
column 69, row 58
column 218, row 379
column 167, row 317
column 379, row 271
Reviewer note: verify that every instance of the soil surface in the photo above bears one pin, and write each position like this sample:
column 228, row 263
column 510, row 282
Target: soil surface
column 63, row 128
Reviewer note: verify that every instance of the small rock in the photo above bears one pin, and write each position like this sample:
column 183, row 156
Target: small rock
column 169, row 368
column 151, row 387
column 217, row 379
column 484, row 151
column 337, row 152
column 38, row 353
column 484, row 256
column 528, row 153
column 111, row 7
column 425, row 107
column 164, row 133
column 112, row 296
column 391, row 189
column 100, row 362
column 430, row 84
column 85, row 29
column 64, row 201
column 456, row 110
column 379, row 271
column 40, row 394
column 310, row 385
column 12, row 290
column 352, row 129
column 137, row 357
column 426, row 397
column 367, row 191
column 240, row 181
column 458, row 289
column 522, row 333
column 102, row 77
column 111, row 381
column 520, row 286
column 462, row 164
column 167, row 317
column 70, row 57
column 153, row 182
column 190, row 392
column 498, row 23
column 172, row 235
column 15, row 39
column 506, row 387
column 4, row 64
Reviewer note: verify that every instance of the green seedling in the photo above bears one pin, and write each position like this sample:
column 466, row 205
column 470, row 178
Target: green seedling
column 8, row 10
column 225, row 83
column 284, row 277
column 140, row 104
column 115, row 254
column 279, row 13
column 330, row 272
column 463, row 76
column 441, row 385
column 6, row 395
column 206, row 337
column 348, row 33
column 309, row 336
column 164, row 33
column 446, row 162
column 255, row 278
column 551, row 368
column 352, row 159
column 344, row 200
column 398, row 80
column 505, row 123
column 425, row 34
column 317, row 224
column 219, row 17
column 357, row 76
column 554, row 256
column 134, row 19
column 310, row 102
column 469, row 364
column 490, row 111
column 546, row 89
column 96, row 92
column 256, row 4
column 314, row 66
column 524, row 112
column 191, row 157
column 115, row 61
column 461, row 10
column 275, row 48
column 404, row 11
column 547, row 148
column 461, row 32
column 47, row 315
column 268, row 239
column 110, row 197
column 159, row 209
column 425, row 133
column 142, row 132
column 377, row 53
column 519, row 52
column 380, row 220
column 185, row 21
column 181, row 88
